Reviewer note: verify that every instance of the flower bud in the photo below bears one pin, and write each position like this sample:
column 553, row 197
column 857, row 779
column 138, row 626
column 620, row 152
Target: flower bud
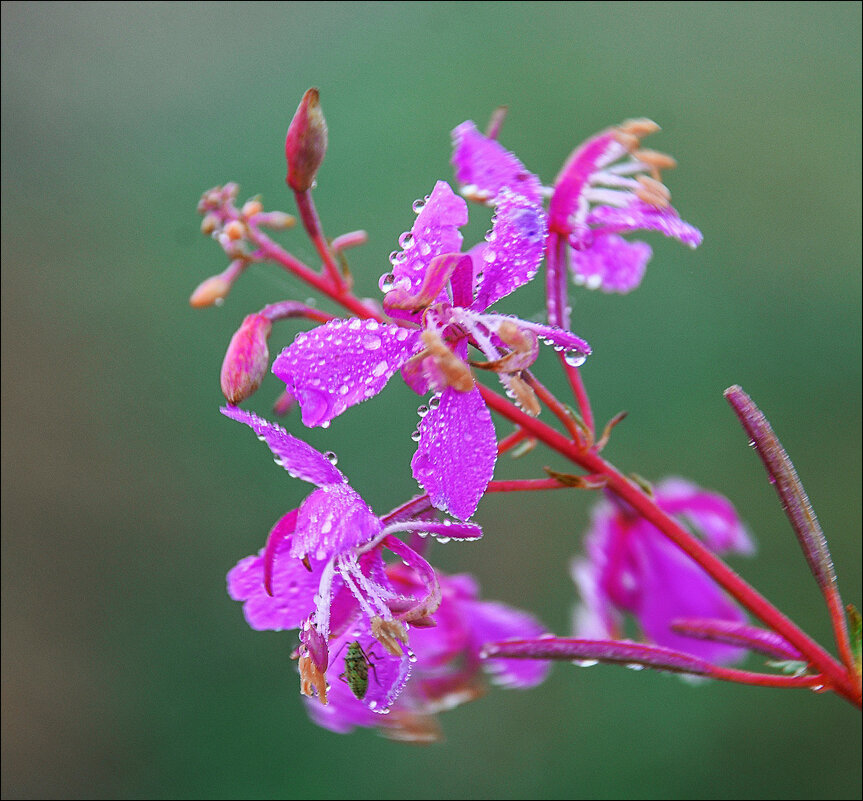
column 210, row 292
column 247, row 359
column 306, row 142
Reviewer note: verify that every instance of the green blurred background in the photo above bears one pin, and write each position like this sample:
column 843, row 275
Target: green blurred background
column 126, row 497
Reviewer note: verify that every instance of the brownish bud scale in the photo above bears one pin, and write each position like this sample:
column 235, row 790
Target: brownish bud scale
column 210, row 292
column 306, row 142
column 246, row 359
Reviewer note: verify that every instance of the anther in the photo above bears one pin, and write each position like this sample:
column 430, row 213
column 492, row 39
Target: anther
column 639, row 127
column 454, row 370
column 390, row 633
column 653, row 192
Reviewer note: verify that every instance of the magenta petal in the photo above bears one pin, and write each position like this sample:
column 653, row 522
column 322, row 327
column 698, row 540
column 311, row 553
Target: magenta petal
column 492, row 622
column 299, row 458
column 673, row 586
column 711, row 515
column 331, row 520
column 294, row 588
column 434, row 232
column 342, row 363
column 610, row 263
column 456, row 454
column 575, row 175
column 484, row 167
column 514, row 250
column 643, row 216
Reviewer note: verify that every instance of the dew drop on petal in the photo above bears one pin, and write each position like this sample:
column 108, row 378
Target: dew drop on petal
column 418, row 205
column 575, row 358
column 371, row 342
column 386, row 282
column 434, row 402
column 380, row 368
column 423, row 410
column 331, row 457
column 415, row 436
column 585, row 662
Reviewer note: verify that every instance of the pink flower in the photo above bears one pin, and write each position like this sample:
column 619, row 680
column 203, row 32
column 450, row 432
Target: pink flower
column 447, row 669
column 440, row 298
column 322, row 570
column 609, row 186
column 632, row 568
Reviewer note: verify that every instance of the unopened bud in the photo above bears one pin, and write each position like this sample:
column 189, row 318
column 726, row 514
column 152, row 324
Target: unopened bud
column 235, row 230
column 284, row 403
column 210, row 292
column 209, row 224
column 306, row 142
column 251, row 207
column 277, row 219
column 246, row 359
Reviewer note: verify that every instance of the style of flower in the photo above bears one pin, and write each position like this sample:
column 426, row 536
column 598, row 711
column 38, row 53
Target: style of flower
column 447, row 670
column 322, row 571
column 609, row 186
column 439, row 298
column 631, row 567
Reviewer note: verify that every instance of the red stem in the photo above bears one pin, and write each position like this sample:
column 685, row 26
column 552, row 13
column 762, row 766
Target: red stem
column 293, row 265
column 525, row 485
column 312, row 224
column 579, row 393
column 834, row 674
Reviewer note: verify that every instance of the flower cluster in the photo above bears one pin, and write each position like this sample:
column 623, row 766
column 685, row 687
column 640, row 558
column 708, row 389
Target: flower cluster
column 388, row 644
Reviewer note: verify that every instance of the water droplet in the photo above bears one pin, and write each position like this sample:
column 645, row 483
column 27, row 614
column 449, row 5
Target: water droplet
column 415, row 436
column 434, row 402
column 635, row 666
column 219, row 302
column 575, row 358
column 371, row 342
column 386, row 282
column 489, row 255
column 325, row 424
column 379, row 369
column 418, row 205
column 331, row 457
column 423, row 410
column 406, row 240
column 585, row 662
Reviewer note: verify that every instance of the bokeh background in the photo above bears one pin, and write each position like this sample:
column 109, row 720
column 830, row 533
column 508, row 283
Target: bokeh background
column 127, row 672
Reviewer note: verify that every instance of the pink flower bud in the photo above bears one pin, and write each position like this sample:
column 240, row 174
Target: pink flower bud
column 247, row 359
column 306, row 142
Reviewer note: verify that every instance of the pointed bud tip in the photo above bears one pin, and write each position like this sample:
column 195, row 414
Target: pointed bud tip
column 306, row 142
